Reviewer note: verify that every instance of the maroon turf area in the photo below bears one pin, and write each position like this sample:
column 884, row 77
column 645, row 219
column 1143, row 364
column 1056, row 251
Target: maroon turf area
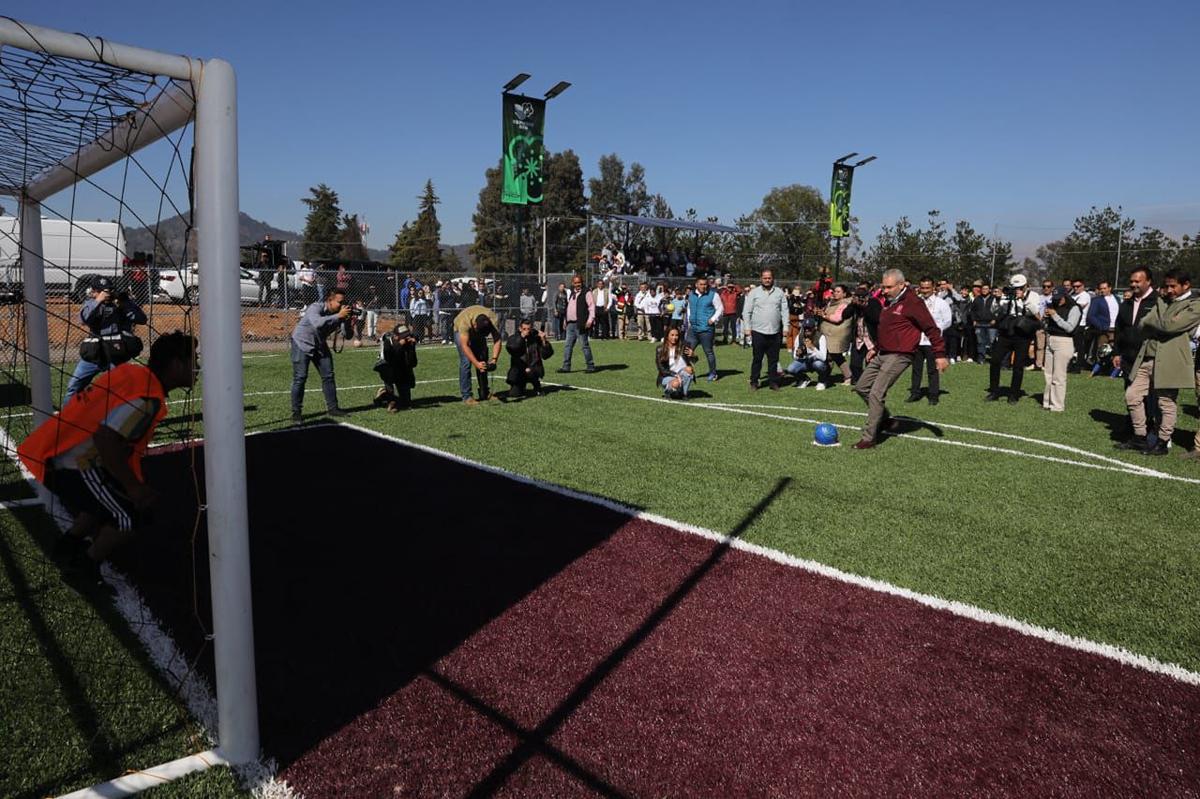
column 413, row 643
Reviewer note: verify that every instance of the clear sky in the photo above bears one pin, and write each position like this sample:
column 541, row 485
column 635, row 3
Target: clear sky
column 1016, row 114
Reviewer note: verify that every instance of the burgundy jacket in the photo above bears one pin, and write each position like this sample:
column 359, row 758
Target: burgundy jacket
column 902, row 322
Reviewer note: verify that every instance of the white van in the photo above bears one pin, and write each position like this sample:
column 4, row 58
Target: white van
column 73, row 253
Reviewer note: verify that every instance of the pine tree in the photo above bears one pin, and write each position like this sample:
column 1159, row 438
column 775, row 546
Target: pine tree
column 350, row 236
column 427, row 232
column 321, row 228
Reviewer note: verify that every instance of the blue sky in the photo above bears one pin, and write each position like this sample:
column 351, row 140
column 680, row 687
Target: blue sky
column 1013, row 114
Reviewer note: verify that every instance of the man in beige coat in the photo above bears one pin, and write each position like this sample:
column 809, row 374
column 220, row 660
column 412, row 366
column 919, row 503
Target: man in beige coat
column 1164, row 363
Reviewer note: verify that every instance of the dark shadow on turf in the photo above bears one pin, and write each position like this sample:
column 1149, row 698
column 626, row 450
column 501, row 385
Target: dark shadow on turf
column 370, row 562
column 103, row 756
column 535, row 742
column 1117, row 423
column 196, row 418
column 609, row 367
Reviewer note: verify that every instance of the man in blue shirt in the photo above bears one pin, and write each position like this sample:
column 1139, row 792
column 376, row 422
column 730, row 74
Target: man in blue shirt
column 309, row 346
column 107, row 315
column 704, row 310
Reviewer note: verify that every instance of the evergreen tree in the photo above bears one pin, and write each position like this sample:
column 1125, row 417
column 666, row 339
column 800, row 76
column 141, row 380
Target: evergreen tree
column 321, row 226
column 401, row 253
column 427, row 232
column 350, row 237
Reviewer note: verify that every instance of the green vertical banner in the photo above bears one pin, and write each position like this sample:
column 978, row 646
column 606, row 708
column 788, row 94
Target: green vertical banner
column 524, row 118
column 839, row 200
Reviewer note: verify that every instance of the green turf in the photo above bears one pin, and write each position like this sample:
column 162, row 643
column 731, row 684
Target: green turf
column 80, row 703
column 1107, row 555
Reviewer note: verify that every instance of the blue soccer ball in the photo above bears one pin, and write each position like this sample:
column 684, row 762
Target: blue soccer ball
column 826, row 435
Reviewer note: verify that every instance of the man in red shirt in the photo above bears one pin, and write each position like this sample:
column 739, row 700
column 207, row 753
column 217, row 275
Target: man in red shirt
column 901, row 322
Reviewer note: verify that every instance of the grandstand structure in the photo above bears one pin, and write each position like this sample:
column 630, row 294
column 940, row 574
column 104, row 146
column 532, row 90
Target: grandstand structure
column 71, row 107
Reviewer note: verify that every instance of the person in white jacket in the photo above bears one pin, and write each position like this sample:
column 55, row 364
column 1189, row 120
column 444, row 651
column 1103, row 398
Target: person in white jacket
column 639, row 307
column 923, row 360
column 810, row 354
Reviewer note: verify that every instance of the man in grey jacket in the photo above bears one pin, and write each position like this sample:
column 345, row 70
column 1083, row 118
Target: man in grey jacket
column 765, row 315
column 309, row 346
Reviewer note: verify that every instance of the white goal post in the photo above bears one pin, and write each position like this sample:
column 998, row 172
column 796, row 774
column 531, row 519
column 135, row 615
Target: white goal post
column 204, row 91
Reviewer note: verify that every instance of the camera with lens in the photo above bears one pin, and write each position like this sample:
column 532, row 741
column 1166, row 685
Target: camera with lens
column 1010, row 291
column 356, row 313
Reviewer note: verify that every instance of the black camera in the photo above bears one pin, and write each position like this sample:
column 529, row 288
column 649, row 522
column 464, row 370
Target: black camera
column 861, row 294
column 355, row 313
column 1009, row 291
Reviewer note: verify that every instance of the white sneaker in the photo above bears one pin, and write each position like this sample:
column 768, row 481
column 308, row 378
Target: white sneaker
column 820, row 386
column 804, row 384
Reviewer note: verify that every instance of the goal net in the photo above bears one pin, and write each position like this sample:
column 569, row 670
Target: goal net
column 118, row 169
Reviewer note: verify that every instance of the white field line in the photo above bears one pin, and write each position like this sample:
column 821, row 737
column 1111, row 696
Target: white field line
column 346, row 388
column 993, row 433
column 186, row 681
column 956, row 608
column 1124, row 468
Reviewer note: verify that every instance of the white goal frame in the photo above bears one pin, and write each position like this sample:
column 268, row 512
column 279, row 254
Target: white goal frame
column 215, row 205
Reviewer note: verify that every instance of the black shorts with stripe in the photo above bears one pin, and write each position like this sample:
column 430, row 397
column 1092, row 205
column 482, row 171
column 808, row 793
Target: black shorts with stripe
column 95, row 492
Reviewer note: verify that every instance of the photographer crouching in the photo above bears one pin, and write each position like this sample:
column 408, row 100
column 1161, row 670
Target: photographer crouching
column 529, row 349
column 110, row 317
column 310, row 347
column 397, row 360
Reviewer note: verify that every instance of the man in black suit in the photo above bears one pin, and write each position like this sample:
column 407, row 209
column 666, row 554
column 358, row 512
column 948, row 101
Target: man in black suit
column 529, row 348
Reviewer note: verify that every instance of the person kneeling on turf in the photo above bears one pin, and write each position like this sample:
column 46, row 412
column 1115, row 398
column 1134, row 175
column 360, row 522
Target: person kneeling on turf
column 89, row 454
column 397, row 359
column 674, row 361
column 529, row 348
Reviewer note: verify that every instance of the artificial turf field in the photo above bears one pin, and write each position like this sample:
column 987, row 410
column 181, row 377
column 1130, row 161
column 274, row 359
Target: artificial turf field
column 1026, row 514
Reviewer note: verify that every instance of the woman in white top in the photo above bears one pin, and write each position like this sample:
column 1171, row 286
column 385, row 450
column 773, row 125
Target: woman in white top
column 674, row 361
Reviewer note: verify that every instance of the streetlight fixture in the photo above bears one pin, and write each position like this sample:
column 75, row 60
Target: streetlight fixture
column 516, row 81
column 557, row 89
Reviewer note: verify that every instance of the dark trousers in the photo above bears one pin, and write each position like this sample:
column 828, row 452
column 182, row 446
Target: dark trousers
column 657, row 330
column 953, row 337
column 1079, row 337
column 968, row 348
column 517, row 390
column 858, row 361
column 323, row 360
column 768, row 345
column 601, row 330
column 612, row 322
column 923, row 361
column 729, row 327
column 1018, row 347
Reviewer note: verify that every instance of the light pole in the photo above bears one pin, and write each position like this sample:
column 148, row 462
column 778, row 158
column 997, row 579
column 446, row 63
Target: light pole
column 839, row 201
column 508, row 98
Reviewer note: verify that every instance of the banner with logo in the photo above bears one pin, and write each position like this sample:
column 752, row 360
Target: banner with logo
column 839, row 200
column 523, row 122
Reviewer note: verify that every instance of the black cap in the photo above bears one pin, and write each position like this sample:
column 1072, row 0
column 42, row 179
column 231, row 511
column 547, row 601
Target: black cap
column 101, row 283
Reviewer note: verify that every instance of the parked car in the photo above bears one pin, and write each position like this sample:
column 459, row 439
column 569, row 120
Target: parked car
column 183, row 285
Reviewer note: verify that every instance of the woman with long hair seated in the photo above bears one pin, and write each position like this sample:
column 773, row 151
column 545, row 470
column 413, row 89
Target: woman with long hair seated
column 674, row 360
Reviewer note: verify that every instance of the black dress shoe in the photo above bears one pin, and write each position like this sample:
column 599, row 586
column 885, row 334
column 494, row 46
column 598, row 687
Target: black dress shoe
column 914, row 397
column 933, row 400
column 1158, row 449
column 562, row 370
column 1013, row 400
column 1135, row 444
column 991, row 396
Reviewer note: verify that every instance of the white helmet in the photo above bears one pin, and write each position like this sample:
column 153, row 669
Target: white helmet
column 1018, row 281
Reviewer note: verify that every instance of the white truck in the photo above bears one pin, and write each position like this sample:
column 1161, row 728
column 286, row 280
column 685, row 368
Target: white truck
column 73, row 253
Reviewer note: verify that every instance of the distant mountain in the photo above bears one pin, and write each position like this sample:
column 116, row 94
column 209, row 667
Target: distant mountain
column 250, row 230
